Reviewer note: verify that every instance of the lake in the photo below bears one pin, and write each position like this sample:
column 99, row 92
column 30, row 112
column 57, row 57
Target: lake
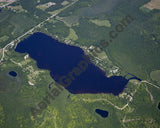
column 159, row 106
column 69, row 66
column 102, row 113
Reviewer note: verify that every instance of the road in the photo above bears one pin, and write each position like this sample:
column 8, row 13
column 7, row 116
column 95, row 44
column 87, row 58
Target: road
column 130, row 100
column 32, row 29
column 119, row 108
column 2, row 6
column 144, row 81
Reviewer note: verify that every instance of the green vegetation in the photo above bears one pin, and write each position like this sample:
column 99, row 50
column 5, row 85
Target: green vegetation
column 144, row 110
column 105, row 23
column 17, row 9
column 57, row 28
column 155, row 76
column 145, row 9
column 3, row 39
column 69, row 21
column 89, row 33
column 72, row 35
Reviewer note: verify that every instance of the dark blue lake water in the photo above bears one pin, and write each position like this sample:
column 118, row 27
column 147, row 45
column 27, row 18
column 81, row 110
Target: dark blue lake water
column 69, row 66
column 103, row 113
column 159, row 106
column 13, row 73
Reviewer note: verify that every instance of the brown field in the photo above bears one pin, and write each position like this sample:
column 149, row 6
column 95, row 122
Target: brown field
column 153, row 4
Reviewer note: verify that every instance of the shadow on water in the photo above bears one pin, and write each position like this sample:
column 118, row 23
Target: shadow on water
column 68, row 65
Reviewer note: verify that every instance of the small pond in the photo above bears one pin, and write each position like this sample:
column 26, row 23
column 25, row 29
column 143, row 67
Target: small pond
column 13, row 73
column 102, row 113
column 159, row 106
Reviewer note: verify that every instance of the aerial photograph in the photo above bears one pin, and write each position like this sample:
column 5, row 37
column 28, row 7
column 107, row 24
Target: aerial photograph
column 79, row 63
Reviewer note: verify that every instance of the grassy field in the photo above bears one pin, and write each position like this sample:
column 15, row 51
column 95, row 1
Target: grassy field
column 72, row 35
column 105, row 23
column 155, row 76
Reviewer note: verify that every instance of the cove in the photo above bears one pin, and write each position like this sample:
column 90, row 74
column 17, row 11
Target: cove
column 103, row 113
column 69, row 66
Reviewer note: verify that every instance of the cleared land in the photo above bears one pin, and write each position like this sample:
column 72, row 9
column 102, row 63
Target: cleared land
column 72, row 35
column 153, row 4
column 46, row 5
column 105, row 23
